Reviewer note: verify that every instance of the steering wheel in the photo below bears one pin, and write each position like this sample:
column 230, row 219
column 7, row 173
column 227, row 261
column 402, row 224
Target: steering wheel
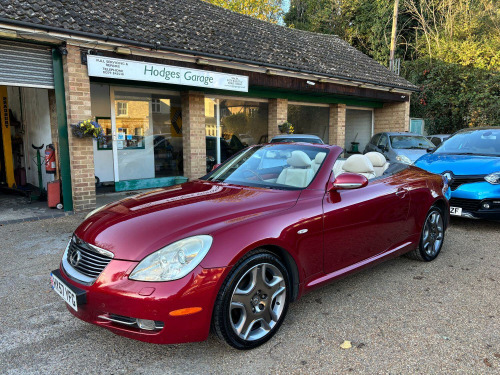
column 252, row 172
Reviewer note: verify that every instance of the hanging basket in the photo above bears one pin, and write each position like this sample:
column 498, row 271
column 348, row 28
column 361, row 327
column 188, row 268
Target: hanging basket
column 88, row 129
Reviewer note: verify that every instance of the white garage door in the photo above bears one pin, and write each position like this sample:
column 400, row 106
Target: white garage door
column 358, row 128
column 28, row 65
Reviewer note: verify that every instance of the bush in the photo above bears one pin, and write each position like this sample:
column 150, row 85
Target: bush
column 453, row 96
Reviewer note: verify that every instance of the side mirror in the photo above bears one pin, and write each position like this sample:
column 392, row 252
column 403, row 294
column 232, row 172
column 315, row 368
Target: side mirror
column 215, row 167
column 346, row 181
column 430, row 149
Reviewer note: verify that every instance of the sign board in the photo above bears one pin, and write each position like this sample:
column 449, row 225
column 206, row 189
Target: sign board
column 107, row 67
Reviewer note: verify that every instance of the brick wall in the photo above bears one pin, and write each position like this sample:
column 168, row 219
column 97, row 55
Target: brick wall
column 278, row 112
column 77, row 86
column 193, row 134
column 337, row 124
column 392, row 117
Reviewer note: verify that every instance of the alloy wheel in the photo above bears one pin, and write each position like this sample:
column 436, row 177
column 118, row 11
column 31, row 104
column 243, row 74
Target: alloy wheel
column 433, row 234
column 257, row 302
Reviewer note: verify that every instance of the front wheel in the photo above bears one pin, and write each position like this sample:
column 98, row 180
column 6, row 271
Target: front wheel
column 431, row 240
column 253, row 301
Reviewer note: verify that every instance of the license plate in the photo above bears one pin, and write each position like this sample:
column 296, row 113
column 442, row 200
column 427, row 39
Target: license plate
column 456, row 211
column 66, row 293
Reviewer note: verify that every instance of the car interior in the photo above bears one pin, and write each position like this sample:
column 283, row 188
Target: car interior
column 300, row 169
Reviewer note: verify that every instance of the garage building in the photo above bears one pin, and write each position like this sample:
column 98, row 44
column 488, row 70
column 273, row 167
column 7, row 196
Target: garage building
column 177, row 88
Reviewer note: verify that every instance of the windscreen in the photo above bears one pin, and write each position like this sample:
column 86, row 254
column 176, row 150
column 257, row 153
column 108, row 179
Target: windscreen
column 472, row 142
column 410, row 142
column 278, row 166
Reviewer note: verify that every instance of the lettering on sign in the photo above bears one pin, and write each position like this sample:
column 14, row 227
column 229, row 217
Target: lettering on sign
column 5, row 112
column 108, row 67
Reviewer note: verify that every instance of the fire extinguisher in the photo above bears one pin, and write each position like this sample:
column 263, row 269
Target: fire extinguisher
column 50, row 159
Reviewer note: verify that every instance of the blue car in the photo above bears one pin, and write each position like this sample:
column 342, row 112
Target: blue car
column 470, row 159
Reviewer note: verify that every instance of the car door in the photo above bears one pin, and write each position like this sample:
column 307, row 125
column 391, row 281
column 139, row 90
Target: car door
column 361, row 223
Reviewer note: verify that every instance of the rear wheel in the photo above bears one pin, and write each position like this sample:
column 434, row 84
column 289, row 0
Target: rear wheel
column 431, row 240
column 253, row 301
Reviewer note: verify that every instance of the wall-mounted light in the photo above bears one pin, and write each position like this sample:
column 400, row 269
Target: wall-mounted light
column 8, row 33
column 270, row 72
column 123, row 50
column 202, row 62
column 62, row 49
column 312, row 83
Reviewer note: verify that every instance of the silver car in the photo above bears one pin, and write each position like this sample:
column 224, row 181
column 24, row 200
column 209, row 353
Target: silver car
column 399, row 147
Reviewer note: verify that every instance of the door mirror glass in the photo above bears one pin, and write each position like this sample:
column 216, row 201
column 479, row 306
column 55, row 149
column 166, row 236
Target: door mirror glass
column 347, row 181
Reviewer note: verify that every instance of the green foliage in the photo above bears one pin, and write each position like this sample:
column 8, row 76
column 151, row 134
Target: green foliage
column 453, row 96
column 450, row 48
column 267, row 10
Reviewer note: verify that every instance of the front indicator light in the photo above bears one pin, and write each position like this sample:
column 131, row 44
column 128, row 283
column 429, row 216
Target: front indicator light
column 493, row 178
column 174, row 261
column 186, row 311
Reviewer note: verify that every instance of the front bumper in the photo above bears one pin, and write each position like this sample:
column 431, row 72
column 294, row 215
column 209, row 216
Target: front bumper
column 473, row 197
column 113, row 298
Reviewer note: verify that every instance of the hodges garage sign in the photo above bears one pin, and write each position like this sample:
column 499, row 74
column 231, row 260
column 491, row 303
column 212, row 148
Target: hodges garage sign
column 108, row 67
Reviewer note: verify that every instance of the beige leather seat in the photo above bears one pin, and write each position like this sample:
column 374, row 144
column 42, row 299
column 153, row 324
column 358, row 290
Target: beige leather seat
column 379, row 162
column 359, row 164
column 337, row 167
column 320, row 156
column 299, row 173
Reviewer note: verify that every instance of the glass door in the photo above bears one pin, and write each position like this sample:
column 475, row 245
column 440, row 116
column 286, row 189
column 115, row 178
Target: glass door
column 147, row 134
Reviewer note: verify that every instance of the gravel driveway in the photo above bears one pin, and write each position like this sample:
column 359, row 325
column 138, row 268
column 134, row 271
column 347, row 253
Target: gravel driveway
column 402, row 316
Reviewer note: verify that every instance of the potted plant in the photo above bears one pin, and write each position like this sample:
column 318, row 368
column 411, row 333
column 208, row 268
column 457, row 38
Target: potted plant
column 286, row 128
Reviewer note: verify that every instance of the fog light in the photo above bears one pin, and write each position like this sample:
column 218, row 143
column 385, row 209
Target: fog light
column 146, row 324
column 486, row 205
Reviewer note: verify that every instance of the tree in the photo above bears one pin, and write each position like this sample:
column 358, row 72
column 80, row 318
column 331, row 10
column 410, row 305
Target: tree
column 267, row 10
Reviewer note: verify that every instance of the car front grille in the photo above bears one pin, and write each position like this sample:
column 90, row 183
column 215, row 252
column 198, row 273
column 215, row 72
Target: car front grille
column 465, row 204
column 86, row 259
column 460, row 180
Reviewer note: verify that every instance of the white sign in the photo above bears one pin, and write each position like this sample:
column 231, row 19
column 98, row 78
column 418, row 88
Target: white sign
column 108, row 67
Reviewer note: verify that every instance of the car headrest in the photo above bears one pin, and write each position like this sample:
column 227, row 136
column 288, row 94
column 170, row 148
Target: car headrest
column 299, row 159
column 358, row 164
column 377, row 159
column 320, row 156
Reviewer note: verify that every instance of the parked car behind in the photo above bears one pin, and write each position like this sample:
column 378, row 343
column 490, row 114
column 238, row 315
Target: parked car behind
column 470, row 159
column 399, row 147
column 437, row 139
column 232, row 250
column 289, row 138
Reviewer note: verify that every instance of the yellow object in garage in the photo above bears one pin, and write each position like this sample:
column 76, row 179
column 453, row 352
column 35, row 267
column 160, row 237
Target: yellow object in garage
column 6, row 137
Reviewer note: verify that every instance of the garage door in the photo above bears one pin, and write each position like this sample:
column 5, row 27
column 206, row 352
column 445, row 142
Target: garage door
column 358, row 128
column 23, row 64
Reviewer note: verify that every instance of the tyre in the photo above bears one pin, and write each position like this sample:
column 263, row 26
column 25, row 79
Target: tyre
column 432, row 238
column 253, row 301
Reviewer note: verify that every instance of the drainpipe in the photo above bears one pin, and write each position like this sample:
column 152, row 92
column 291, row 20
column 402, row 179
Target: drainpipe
column 62, row 126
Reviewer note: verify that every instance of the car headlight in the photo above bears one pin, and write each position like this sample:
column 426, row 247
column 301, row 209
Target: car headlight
column 94, row 211
column 493, row 178
column 174, row 261
column 404, row 159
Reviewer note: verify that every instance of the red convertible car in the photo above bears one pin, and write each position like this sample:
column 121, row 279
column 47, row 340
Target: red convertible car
column 233, row 249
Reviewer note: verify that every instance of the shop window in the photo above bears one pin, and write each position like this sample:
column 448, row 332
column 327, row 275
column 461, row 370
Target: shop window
column 240, row 123
column 149, row 137
column 309, row 119
column 122, row 109
column 107, row 143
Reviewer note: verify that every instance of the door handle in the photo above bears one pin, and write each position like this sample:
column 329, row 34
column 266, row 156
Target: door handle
column 401, row 192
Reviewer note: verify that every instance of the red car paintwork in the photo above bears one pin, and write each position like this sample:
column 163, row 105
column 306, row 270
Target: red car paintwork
column 347, row 230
